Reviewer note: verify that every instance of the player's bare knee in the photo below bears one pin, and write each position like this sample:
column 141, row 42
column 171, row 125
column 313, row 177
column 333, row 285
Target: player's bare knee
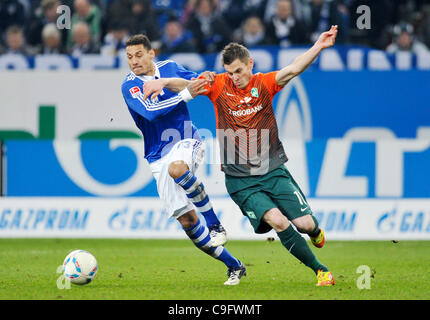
column 177, row 169
column 276, row 219
column 304, row 224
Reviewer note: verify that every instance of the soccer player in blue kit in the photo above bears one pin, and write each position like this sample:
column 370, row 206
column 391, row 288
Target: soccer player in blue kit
column 174, row 148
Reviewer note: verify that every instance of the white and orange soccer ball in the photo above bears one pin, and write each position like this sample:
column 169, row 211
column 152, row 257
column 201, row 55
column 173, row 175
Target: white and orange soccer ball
column 80, row 267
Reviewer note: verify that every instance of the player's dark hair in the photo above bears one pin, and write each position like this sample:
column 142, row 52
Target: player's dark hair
column 139, row 39
column 234, row 51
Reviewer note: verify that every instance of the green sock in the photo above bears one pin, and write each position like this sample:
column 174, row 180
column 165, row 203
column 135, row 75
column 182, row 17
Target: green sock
column 299, row 248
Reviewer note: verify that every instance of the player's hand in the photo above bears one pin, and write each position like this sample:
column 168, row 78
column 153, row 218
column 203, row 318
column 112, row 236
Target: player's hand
column 209, row 76
column 154, row 87
column 327, row 39
column 197, row 86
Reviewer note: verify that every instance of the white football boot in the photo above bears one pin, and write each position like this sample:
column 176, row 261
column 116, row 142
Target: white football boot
column 218, row 235
column 234, row 275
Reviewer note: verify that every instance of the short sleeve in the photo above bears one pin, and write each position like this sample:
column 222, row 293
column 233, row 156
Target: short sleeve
column 269, row 80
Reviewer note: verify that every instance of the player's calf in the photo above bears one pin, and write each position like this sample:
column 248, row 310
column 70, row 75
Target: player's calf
column 195, row 191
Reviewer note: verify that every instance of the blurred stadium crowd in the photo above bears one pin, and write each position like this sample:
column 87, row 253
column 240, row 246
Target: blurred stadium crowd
column 30, row 27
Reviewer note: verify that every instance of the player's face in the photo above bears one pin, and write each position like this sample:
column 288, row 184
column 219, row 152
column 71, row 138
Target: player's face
column 140, row 60
column 239, row 72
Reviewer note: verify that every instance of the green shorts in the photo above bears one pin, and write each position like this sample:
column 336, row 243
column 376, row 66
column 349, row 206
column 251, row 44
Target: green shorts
column 255, row 195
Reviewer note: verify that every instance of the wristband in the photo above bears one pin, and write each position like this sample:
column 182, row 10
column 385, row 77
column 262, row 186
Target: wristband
column 186, row 95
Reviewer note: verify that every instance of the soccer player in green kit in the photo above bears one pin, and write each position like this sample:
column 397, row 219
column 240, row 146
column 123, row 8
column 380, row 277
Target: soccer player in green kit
column 260, row 184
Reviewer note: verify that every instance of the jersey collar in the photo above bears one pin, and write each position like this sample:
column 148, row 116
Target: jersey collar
column 147, row 78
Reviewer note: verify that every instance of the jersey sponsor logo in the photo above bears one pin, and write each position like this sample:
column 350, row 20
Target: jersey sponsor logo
column 134, row 91
column 245, row 112
column 245, row 100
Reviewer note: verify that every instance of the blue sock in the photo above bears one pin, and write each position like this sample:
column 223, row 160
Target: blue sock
column 199, row 234
column 196, row 193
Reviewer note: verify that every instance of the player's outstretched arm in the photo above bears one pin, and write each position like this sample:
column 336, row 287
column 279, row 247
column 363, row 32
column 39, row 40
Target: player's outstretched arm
column 154, row 108
column 300, row 64
column 155, row 87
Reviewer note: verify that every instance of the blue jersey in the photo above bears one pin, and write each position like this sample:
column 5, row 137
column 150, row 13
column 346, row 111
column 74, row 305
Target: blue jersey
column 164, row 120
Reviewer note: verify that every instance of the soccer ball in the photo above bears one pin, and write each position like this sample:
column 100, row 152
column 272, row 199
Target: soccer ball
column 80, row 267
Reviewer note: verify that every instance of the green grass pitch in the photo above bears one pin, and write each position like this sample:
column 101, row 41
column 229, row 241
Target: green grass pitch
column 176, row 270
